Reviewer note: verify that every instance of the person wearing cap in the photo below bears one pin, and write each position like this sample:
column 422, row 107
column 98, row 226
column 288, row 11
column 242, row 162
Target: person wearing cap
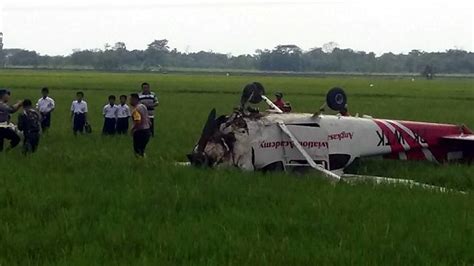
column 7, row 129
column 279, row 100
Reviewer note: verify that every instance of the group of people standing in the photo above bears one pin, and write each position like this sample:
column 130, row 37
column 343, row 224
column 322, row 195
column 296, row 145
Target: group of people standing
column 116, row 116
column 32, row 121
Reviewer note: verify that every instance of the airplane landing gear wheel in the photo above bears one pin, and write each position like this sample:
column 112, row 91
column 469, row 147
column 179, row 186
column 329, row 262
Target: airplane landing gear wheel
column 336, row 99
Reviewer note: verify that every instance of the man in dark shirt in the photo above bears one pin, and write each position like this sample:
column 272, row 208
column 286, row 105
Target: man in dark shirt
column 30, row 123
column 7, row 129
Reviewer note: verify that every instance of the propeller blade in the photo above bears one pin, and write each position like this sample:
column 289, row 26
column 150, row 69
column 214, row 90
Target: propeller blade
column 207, row 131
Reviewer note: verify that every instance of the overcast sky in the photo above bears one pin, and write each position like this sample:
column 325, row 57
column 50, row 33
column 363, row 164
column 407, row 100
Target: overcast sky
column 238, row 26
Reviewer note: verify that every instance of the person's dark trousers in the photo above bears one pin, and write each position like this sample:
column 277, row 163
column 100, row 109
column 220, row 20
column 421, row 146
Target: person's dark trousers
column 45, row 121
column 109, row 126
column 122, row 125
column 152, row 126
column 79, row 123
column 140, row 140
column 31, row 141
column 10, row 134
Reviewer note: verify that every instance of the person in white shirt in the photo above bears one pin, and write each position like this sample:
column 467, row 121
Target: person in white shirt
column 45, row 106
column 79, row 113
column 123, row 115
column 110, row 116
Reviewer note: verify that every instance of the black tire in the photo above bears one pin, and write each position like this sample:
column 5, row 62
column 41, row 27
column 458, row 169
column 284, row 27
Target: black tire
column 336, row 99
column 258, row 92
column 252, row 93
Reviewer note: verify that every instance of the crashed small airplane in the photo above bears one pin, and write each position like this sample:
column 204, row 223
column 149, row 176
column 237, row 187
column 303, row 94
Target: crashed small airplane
column 274, row 140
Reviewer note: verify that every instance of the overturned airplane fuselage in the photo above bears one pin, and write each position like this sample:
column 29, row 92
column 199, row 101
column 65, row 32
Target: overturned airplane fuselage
column 274, row 140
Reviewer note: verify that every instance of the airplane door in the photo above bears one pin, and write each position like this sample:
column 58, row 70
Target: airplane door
column 273, row 145
column 314, row 141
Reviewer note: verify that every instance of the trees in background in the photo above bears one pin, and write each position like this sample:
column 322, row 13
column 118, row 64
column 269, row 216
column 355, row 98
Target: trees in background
column 329, row 58
column 282, row 58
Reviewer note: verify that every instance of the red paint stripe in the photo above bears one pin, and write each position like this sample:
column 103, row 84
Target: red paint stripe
column 394, row 145
column 412, row 143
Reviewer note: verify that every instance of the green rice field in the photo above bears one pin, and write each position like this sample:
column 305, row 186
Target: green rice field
column 87, row 200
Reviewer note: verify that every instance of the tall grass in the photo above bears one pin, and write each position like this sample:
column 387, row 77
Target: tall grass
column 86, row 200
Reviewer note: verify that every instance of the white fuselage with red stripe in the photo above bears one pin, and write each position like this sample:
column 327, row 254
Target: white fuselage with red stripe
column 336, row 141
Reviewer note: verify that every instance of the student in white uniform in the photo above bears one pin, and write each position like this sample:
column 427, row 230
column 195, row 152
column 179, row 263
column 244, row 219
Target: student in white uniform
column 110, row 113
column 123, row 115
column 79, row 113
column 45, row 106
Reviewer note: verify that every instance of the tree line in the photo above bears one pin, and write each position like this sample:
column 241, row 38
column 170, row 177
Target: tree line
column 329, row 58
